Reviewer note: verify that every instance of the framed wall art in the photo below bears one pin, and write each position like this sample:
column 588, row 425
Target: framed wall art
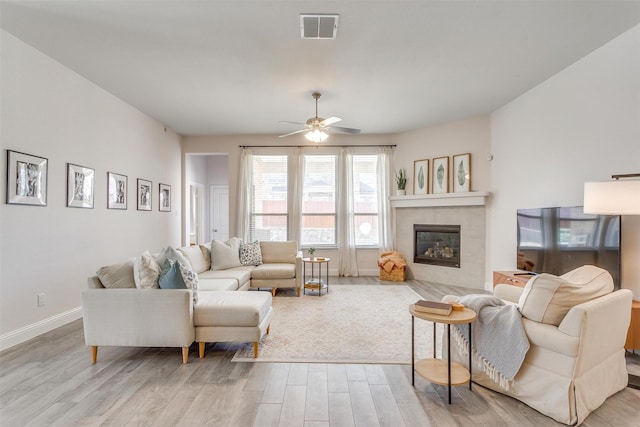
column 116, row 191
column 80, row 181
column 144, row 195
column 440, row 175
column 26, row 179
column 462, row 173
column 164, row 198
column 421, row 176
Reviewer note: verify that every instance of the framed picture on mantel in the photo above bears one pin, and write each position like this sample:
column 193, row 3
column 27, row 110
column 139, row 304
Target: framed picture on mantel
column 421, row 176
column 462, row 173
column 440, row 179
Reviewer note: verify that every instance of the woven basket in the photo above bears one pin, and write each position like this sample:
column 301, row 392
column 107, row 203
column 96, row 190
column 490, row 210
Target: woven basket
column 396, row 275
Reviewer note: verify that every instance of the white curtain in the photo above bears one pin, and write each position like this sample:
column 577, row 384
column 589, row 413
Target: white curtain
column 385, row 220
column 296, row 174
column 244, row 196
column 347, row 260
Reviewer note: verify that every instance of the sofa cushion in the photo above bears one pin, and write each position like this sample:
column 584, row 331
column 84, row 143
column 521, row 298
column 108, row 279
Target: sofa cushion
column 274, row 271
column 250, row 253
column 240, row 274
column 279, row 251
column 172, row 254
column 196, row 258
column 225, row 254
column 146, row 271
column 117, row 275
column 216, row 285
column 547, row 298
column 231, row 308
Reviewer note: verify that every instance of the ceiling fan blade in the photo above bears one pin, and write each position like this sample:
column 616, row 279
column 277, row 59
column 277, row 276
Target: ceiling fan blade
column 345, row 130
column 293, row 133
column 330, row 121
column 287, row 121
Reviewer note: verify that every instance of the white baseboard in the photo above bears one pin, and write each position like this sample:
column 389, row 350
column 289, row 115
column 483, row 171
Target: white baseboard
column 31, row 331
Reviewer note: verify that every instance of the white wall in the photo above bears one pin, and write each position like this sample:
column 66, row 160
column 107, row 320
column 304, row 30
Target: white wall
column 470, row 135
column 50, row 111
column 583, row 124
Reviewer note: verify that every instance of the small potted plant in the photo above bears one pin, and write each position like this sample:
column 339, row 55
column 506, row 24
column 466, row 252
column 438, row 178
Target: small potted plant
column 311, row 252
column 401, row 181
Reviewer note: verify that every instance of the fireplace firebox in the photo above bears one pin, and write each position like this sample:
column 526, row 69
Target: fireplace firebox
column 436, row 244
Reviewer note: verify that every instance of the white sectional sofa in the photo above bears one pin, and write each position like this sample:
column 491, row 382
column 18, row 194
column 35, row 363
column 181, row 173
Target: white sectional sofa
column 119, row 309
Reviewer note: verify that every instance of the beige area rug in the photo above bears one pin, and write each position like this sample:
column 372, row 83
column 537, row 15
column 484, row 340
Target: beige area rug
column 351, row 324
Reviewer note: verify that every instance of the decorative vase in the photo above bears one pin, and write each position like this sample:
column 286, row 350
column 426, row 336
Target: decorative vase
column 401, row 192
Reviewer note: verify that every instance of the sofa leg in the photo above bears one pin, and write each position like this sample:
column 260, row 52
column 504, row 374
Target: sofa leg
column 201, row 349
column 255, row 350
column 185, row 354
column 268, row 329
column 298, row 291
column 273, row 292
column 94, row 354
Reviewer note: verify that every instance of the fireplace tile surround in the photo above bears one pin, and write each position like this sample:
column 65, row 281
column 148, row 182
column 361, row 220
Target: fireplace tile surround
column 471, row 219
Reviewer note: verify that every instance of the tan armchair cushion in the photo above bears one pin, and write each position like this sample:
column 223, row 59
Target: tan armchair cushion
column 548, row 298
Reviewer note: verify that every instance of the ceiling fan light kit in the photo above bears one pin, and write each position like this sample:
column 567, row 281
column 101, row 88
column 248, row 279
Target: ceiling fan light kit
column 316, row 128
column 316, row 135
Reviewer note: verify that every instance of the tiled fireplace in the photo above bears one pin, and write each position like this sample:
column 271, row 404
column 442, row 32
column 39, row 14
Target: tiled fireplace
column 470, row 219
column 436, row 244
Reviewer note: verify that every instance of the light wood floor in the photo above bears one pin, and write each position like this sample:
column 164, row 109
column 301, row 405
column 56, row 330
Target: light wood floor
column 50, row 381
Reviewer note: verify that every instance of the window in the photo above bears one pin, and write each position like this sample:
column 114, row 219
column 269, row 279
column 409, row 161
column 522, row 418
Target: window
column 365, row 200
column 269, row 187
column 319, row 201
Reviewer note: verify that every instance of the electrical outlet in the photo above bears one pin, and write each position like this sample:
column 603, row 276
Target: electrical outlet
column 41, row 300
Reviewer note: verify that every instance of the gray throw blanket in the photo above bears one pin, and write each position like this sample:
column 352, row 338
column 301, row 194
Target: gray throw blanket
column 499, row 341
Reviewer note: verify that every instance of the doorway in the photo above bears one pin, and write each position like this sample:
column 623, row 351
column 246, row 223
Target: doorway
column 219, row 212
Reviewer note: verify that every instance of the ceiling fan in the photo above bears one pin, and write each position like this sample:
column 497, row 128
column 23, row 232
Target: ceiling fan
column 317, row 127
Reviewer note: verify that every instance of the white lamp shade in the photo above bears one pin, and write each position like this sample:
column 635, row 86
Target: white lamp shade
column 612, row 197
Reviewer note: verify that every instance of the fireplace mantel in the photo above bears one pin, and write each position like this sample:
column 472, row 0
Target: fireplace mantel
column 472, row 198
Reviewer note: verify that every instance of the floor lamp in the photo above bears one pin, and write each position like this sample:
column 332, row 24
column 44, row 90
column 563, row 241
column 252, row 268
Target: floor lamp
column 618, row 197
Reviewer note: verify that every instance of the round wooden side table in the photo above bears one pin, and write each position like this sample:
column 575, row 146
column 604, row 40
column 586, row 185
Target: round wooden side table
column 437, row 370
column 314, row 283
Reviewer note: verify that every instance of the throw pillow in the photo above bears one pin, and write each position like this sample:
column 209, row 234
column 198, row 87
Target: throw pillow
column 196, row 258
column 250, row 253
column 547, row 298
column 171, row 277
column 146, row 271
column 172, row 254
column 206, row 253
column 225, row 254
column 117, row 275
column 190, row 279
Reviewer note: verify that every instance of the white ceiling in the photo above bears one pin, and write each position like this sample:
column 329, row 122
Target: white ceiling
column 239, row 67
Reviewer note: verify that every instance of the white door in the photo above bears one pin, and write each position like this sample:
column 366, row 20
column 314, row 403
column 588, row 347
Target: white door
column 219, row 212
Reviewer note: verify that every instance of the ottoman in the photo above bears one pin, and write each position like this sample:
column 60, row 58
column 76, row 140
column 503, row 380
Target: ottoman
column 228, row 316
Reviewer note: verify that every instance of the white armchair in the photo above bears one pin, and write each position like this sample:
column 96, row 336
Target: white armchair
column 570, row 369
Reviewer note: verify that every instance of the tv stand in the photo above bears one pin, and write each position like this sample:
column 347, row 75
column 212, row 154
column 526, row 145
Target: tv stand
column 512, row 277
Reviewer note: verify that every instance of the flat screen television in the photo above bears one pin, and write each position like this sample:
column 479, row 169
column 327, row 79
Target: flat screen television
column 558, row 240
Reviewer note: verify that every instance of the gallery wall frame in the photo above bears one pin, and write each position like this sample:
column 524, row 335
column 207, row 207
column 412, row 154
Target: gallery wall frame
column 421, row 176
column 144, row 194
column 462, row 173
column 27, row 179
column 117, row 191
column 164, row 197
column 80, row 186
column 440, row 175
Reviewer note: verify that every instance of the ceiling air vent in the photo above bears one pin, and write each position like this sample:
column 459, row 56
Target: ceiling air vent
column 318, row 26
